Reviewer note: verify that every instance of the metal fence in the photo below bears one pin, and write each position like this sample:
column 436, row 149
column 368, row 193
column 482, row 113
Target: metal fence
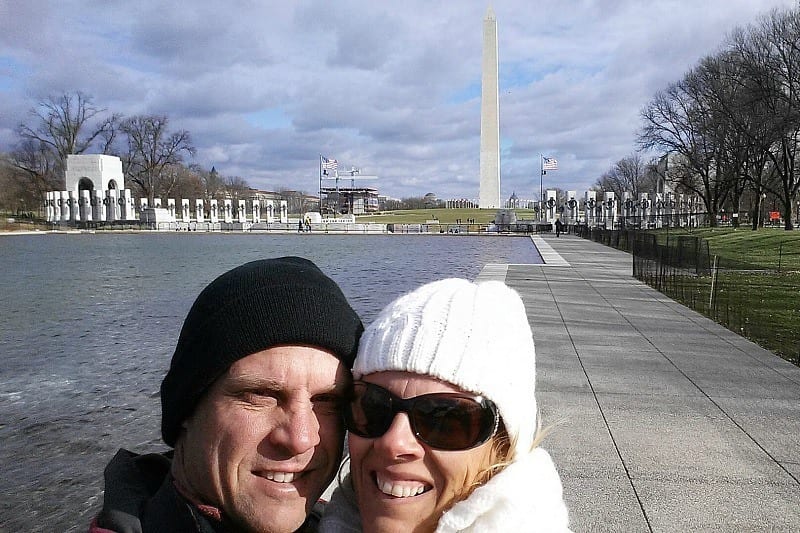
column 760, row 303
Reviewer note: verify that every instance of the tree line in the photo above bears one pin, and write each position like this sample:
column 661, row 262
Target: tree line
column 155, row 158
column 729, row 128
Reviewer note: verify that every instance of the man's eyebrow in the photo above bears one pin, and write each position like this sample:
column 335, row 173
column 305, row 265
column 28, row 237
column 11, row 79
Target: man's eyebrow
column 249, row 381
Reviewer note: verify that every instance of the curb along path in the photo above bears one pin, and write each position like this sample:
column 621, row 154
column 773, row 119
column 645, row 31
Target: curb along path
column 663, row 420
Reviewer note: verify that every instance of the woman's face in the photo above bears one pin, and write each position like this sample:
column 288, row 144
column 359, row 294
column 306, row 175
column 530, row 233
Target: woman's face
column 401, row 483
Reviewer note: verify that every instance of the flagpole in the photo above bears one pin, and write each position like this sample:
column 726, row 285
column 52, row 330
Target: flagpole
column 541, row 187
column 320, row 185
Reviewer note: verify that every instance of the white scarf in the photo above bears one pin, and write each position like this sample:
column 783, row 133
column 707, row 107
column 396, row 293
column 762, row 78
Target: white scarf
column 526, row 496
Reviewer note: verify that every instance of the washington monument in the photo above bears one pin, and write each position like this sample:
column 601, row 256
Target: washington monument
column 490, row 117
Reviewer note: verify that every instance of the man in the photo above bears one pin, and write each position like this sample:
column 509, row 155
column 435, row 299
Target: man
column 251, row 405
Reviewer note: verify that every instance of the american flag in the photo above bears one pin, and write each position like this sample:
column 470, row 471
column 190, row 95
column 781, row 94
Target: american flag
column 331, row 164
column 549, row 163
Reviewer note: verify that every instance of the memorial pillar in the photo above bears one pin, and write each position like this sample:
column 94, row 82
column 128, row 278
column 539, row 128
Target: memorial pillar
column 185, row 214
column 610, row 210
column 572, row 207
column 199, row 210
column 284, row 212
column 98, row 208
column 590, row 203
column 214, row 211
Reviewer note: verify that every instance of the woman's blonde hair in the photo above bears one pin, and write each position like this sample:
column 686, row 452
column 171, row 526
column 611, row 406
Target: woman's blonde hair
column 501, row 456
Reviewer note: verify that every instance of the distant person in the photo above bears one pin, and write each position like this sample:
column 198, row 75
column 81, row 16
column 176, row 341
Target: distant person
column 443, row 424
column 559, row 227
column 251, row 405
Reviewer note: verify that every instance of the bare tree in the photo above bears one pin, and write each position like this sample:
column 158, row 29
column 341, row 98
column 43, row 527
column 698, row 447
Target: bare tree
column 16, row 194
column 60, row 126
column 69, row 124
column 770, row 51
column 236, row 188
column 681, row 120
column 629, row 174
column 213, row 184
column 154, row 155
column 188, row 183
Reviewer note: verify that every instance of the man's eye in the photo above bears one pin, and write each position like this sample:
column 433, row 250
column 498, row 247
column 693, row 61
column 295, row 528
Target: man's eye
column 259, row 397
column 328, row 403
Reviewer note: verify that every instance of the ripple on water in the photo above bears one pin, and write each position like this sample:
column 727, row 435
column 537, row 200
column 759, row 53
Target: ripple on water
column 90, row 322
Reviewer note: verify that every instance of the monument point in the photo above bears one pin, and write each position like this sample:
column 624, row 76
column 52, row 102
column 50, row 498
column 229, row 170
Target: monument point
column 489, row 197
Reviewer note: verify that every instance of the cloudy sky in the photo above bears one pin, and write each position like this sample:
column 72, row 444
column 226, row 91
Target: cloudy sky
column 392, row 87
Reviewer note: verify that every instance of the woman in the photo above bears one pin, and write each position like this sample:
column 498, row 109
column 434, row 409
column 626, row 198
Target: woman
column 443, row 421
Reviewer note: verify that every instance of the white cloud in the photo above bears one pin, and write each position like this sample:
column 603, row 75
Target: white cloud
column 390, row 87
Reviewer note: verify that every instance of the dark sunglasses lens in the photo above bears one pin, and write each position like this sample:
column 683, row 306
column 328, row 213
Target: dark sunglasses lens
column 369, row 414
column 452, row 423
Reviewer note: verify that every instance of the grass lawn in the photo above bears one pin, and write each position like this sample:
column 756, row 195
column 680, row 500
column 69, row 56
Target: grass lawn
column 757, row 289
column 770, row 248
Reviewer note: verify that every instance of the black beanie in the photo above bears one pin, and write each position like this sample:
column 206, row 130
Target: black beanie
column 253, row 307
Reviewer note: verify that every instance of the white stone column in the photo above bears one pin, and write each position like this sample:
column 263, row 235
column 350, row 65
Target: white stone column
column 590, row 204
column 572, row 207
column 242, row 211
column 284, row 212
column 610, row 202
column 256, row 212
column 550, row 206
column 213, row 214
column 659, row 210
column 112, row 213
column 199, row 210
column 49, row 206
column 130, row 205
column 98, row 209
column 156, row 202
column 72, row 204
column 171, row 209
column 270, row 210
column 227, row 208
column 694, row 207
column 628, row 209
column 85, row 205
column 185, row 215
column 671, row 207
column 646, row 208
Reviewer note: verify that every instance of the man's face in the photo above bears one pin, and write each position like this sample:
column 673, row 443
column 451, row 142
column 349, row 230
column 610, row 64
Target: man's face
column 266, row 439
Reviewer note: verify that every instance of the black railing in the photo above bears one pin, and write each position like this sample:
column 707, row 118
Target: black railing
column 758, row 302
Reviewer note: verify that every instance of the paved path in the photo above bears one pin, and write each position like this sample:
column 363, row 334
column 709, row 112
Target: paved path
column 665, row 421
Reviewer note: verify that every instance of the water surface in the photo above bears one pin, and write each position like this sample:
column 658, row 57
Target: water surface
column 89, row 323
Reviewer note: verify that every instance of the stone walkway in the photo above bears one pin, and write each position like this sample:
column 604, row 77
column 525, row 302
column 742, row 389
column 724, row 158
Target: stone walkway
column 663, row 420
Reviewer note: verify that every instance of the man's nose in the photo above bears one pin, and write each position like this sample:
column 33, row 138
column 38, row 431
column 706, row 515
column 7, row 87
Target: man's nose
column 297, row 431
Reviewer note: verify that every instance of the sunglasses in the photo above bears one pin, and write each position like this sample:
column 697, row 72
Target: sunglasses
column 442, row 420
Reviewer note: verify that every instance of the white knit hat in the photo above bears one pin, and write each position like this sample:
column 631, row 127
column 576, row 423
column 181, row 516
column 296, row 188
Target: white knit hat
column 473, row 335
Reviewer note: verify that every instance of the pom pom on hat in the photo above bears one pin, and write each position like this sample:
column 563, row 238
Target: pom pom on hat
column 473, row 335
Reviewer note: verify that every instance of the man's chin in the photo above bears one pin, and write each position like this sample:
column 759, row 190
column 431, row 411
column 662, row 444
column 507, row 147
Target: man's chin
column 273, row 516
column 276, row 507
